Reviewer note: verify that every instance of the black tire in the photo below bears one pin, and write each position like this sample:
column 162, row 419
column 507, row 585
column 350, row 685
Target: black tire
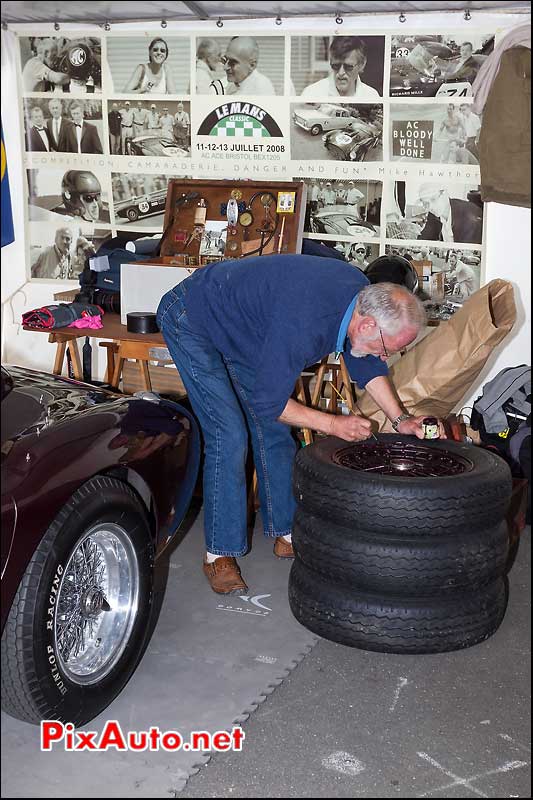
column 397, row 565
column 315, row 130
column 428, row 506
column 40, row 680
column 391, row 624
column 132, row 214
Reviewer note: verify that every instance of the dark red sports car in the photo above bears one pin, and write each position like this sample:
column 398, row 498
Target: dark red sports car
column 94, row 486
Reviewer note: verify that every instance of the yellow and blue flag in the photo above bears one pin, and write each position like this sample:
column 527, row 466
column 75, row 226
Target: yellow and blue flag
column 8, row 234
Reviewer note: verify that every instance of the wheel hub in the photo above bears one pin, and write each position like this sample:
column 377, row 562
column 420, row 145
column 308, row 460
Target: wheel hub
column 402, row 464
column 93, row 602
column 402, row 459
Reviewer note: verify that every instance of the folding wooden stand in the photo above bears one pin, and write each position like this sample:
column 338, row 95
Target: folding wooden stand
column 340, row 380
column 65, row 342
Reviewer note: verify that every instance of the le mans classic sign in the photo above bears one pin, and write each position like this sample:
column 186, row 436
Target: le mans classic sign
column 239, row 119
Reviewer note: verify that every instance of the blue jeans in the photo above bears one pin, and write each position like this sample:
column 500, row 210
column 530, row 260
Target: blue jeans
column 218, row 389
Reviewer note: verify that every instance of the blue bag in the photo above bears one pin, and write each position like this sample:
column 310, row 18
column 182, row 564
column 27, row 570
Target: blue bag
column 102, row 271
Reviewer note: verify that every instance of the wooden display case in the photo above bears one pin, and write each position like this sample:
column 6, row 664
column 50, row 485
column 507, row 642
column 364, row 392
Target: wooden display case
column 207, row 221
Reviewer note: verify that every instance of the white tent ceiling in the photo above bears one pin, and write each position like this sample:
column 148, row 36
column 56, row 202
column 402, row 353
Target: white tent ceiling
column 101, row 12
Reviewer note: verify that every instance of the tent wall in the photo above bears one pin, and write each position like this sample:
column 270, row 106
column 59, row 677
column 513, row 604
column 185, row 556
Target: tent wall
column 507, row 234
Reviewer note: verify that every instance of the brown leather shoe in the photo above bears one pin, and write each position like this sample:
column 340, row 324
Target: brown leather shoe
column 224, row 575
column 282, row 548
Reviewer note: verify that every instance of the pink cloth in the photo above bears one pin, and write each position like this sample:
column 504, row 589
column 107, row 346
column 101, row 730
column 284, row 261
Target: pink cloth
column 87, row 322
column 520, row 36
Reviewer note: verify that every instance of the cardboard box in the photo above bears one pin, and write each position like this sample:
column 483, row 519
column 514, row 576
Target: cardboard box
column 143, row 285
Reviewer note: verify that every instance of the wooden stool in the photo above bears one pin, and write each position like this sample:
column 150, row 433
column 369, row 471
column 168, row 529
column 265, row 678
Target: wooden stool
column 139, row 352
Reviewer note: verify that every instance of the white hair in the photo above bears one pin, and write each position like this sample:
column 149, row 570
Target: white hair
column 393, row 307
column 207, row 47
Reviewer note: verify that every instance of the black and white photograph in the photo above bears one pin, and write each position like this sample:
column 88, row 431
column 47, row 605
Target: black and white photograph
column 447, row 276
column 149, row 64
column 445, row 133
column 58, row 252
column 435, row 66
column 213, row 242
column 139, row 199
column 462, row 274
column 461, row 268
column 360, row 254
column 338, row 66
column 149, row 127
column 61, row 65
column 240, row 65
column 63, row 125
column 432, row 211
column 337, row 131
column 69, row 194
column 343, row 208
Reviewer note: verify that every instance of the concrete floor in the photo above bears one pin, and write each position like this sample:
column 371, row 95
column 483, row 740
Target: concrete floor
column 349, row 723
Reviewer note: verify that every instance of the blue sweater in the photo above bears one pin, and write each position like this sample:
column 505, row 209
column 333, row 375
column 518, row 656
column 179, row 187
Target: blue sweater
column 280, row 313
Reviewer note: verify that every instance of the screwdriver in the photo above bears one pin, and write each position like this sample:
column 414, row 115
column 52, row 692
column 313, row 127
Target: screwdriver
column 351, row 410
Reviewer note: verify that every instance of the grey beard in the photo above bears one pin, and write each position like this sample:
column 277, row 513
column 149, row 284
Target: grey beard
column 357, row 353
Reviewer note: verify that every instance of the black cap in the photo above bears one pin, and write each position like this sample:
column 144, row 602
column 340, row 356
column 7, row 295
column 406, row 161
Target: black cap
column 394, row 269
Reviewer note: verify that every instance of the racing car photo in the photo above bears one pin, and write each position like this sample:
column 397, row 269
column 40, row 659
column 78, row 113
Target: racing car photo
column 341, row 220
column 436, row 66
column 323, row 117
column 144, row 206
column 354, row 142
column 154, row 144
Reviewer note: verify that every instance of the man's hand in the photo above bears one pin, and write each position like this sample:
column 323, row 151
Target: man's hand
column 413, row 427
column 352, row 428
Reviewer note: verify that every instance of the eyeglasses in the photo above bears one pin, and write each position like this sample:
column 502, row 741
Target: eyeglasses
column 91, row 198
column 385, row 351
column 360, row 251
column 348, row 68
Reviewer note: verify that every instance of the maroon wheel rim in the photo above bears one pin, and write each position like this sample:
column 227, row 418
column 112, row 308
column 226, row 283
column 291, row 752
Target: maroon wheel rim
column 403, row 460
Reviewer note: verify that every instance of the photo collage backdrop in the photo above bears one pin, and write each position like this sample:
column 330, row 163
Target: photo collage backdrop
column 379, row 126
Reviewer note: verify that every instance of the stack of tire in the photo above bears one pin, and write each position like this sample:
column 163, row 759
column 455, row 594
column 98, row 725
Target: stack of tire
column 394, row 562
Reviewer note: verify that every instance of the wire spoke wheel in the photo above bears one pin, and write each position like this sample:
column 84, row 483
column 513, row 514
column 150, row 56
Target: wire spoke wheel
column 403, row 486
column 80, row 619
column 96, row 604
column 403, row 460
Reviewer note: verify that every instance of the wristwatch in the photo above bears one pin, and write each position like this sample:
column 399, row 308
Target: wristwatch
column 396, row 422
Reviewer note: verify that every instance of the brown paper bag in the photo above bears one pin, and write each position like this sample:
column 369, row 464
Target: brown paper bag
column 438, row 371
